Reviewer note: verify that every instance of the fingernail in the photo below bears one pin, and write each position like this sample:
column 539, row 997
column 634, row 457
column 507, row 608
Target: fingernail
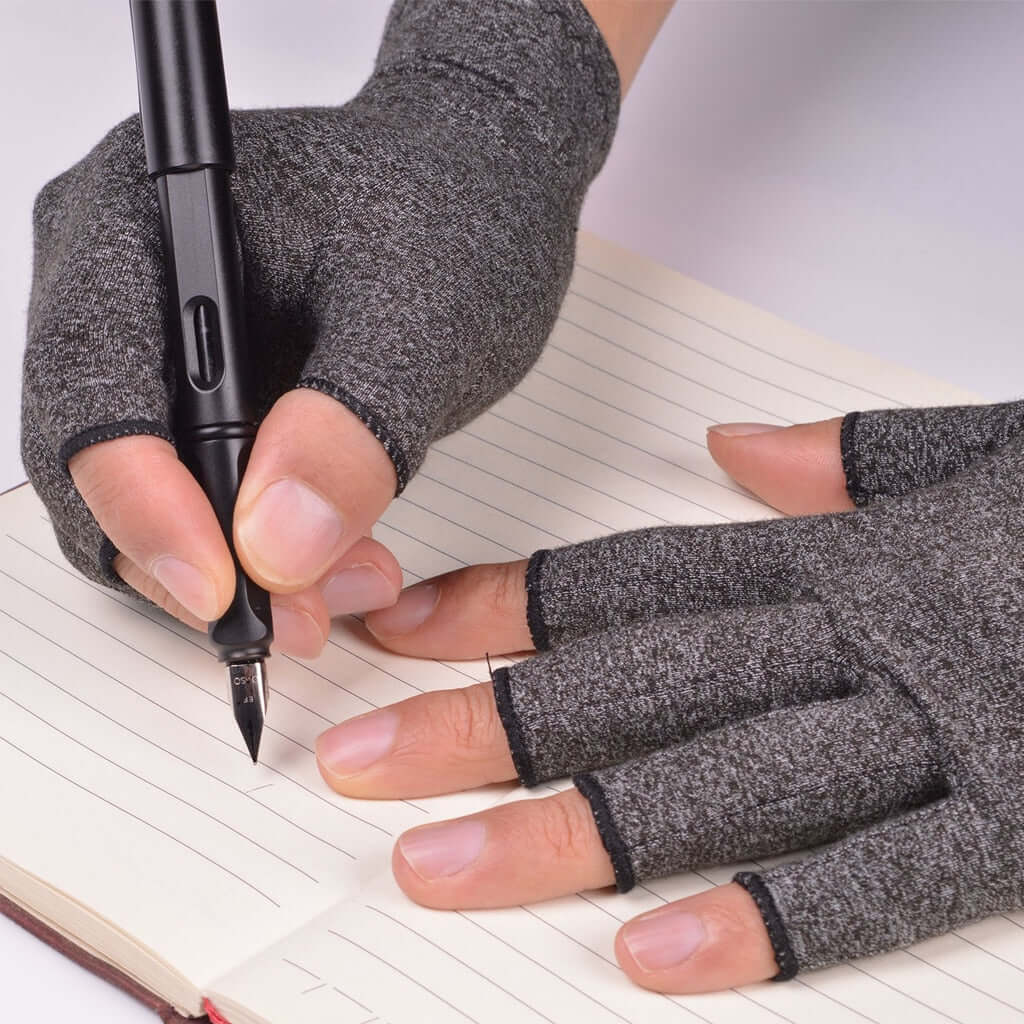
column 350, row 747
column 663, row 939
column 297, row 632
column 440, row 851
column 743, row 429
column 289, row 532
column 413, row 607
column 188, row 585
column 359, row 588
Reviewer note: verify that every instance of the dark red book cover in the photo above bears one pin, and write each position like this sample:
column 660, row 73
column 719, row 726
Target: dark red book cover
column 164, row 1011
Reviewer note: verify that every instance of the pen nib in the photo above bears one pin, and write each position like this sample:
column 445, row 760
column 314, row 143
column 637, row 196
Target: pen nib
column 249, row 700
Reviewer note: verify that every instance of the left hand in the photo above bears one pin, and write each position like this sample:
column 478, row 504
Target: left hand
column 540, row 849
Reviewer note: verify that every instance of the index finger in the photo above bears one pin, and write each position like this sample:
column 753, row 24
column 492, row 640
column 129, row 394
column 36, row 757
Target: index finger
column 150, row 506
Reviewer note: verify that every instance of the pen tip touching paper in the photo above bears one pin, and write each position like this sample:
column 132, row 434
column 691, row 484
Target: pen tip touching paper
column 249, row 702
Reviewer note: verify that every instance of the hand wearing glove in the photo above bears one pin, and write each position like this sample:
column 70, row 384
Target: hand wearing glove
column 732, row 692
column 405, row 257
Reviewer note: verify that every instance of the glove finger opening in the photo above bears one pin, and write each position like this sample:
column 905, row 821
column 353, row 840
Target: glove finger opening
column 585, row 588
column 919, row 874
column 784, row 781
column 889, row 452
column 627, row 692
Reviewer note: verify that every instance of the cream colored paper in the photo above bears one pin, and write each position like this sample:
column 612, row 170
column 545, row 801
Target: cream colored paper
column 134, row 821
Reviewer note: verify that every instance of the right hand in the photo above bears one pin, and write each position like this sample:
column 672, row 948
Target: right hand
column 405, row 257
column 719, row 694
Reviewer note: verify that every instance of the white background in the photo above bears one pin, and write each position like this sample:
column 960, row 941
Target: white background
column 854, row 167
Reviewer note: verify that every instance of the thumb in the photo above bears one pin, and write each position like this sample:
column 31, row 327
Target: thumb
column 316, row 482
column 798, row 469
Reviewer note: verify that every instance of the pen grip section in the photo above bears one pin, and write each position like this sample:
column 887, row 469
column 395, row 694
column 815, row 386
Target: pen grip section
column 217, row 457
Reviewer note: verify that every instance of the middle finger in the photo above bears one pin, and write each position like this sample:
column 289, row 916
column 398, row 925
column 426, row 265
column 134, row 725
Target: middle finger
column 520, row 852
column 432, row 743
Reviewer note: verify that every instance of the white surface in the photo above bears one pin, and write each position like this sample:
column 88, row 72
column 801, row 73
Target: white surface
column 853, row 167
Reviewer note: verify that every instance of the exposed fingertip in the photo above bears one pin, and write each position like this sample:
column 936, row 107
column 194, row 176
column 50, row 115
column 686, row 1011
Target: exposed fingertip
column 297, row 632
column 743, row 429
column 797, row 469
column 349, row 748
column 414, row 606
column 665, row 938
column 358, row 588
column 194, row 589
column 288, row 534
column 714, row 940
column 139, row 580
column 435, row 852
column 463, row 614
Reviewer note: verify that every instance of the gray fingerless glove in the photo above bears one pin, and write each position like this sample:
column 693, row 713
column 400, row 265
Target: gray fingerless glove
column 892, row 451
column 406, row 253
column 732, row 692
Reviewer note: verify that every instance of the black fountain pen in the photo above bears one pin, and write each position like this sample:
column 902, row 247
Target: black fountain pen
column 189, row 154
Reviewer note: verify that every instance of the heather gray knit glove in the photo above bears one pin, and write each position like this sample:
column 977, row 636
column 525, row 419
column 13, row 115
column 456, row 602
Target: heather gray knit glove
column 406, row 253
column 892, row 451
column 733, row 692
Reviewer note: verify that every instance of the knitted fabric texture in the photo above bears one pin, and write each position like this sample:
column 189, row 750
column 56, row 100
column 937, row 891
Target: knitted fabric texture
column 850, row 682
column 892, row 451
column 406, row 253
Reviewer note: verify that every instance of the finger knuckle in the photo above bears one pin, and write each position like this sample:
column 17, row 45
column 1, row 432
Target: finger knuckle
column 566, row 827
column 499, row 585
column 471, row 719
column 102, row 492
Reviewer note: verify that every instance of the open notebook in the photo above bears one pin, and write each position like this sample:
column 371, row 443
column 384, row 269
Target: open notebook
column 135, row 825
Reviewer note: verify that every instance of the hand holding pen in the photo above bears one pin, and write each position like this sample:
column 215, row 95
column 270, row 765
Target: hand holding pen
column 400, row 274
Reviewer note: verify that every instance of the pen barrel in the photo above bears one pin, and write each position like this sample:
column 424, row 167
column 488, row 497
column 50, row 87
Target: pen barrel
column 182, row 92
column 214, row 411
column 213, row 364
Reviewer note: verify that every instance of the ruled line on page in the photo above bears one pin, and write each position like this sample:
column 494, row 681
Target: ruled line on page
column 216, row 779
column 398, row 970
column 734, row 489
column 436, row 450
column 140, row 820
column 179, row 718
column 719, row 330
column 540, row 465
column 693, row 381
column 140, row 778
column 461, row 962
column 538, row 372
column 141, row 654
column 622, row 380
column 196, row 686
column 184, row 633
column 158, row 620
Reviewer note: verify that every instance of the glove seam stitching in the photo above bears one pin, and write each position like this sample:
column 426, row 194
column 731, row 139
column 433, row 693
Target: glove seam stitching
column 782, row 948
column 611, row 838
column 855, row 488
column 370, row 419
column 534, row 602
column 521, row 759
column 110, row 432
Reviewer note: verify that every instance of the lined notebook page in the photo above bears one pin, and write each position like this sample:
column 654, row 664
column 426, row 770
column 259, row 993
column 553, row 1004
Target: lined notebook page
column 130, row 791
column 114, row 718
